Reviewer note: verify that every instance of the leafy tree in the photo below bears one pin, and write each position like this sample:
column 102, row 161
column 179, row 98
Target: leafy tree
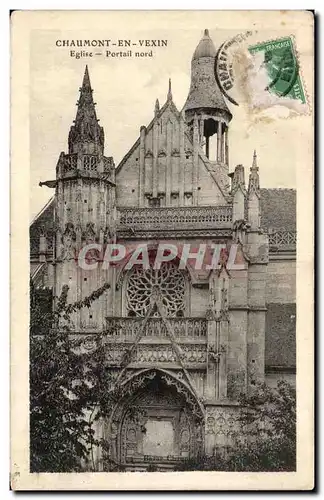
column 268, row 420
column 69, row 387
column 266, row 440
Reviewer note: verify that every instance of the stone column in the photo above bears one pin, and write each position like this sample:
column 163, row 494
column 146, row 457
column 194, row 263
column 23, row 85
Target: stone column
column 238, row 328
column 79, row 210
column 201, row 129
column 222, row 368
column 195, row 160
column 257, row 285
column 182, row 161
column 219, row 141
column 59, row 210
column 207, row 146
column 238, row 193
column 211, row 389
column 79, row 161
column 226, row 146
column 155, row 154
column 210, row 426
column 253, row 210
column 168, row 170
column 141, row 167
column 223, row 147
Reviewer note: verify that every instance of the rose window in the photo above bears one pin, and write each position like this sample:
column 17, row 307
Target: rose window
column 168, row 280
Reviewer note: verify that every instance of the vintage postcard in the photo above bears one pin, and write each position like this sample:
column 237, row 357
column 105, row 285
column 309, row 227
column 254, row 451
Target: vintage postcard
column 162, row 250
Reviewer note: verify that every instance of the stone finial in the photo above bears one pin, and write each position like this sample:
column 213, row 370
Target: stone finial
column 86, row 78
column 254, row 180
column 157, row 107
column 254, row 209
column 238, row 193
column 169, row 96
column 238, row 179
column 254, row 161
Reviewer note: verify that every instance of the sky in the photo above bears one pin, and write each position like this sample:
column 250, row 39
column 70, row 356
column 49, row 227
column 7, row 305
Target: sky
column 125, row 90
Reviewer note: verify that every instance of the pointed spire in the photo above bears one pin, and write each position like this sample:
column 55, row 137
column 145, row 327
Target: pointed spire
column 86, row 78
column 169, row 96
column 254, row 208
column 157, row 107
column 86, row 106
column 254, row 162
column 85, row 129
column 254, row 181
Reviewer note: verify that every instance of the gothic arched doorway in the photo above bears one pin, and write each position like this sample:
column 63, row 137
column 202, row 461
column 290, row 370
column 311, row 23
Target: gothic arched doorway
column 157, row 425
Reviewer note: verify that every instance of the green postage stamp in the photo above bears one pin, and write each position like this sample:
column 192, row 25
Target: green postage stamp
column 262, row 74
column 281, row 62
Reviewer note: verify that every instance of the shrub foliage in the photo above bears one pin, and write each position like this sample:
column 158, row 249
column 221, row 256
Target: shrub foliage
column 266, row 438
column 69, row 388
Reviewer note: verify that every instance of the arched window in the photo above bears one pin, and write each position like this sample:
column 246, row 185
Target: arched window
column 171, row 282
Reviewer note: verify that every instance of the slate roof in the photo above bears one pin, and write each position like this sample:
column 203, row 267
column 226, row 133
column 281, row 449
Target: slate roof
column 44, row 221
column 278, row 209
column 206, row 97
column 204, row 92
column 205, row 47
column 280, row 338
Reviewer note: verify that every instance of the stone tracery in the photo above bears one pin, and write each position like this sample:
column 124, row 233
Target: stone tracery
column 170, row 282
column 153, row 399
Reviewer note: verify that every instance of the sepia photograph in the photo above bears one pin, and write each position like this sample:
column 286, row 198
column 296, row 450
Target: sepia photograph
column 165, row 169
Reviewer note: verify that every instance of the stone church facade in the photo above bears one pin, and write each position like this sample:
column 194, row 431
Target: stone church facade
column 180, row 343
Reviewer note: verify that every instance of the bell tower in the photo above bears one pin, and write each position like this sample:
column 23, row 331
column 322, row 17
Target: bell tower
column 206, row 111
column 84, row 210
column 86, row 136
